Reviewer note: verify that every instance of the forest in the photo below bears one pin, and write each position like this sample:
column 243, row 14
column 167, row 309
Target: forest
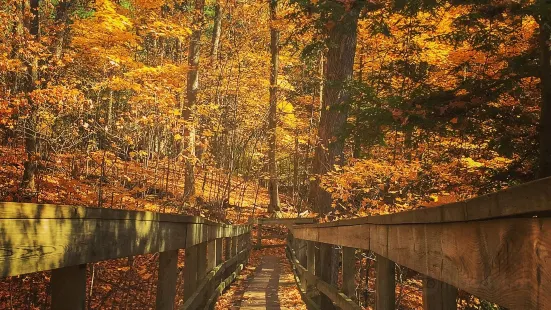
column 231, row 109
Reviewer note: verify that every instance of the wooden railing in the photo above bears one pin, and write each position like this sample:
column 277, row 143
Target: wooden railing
column 39, row 237
column 496, row 247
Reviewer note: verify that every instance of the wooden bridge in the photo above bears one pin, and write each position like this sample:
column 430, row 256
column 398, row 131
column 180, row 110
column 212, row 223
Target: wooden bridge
column 496, row 247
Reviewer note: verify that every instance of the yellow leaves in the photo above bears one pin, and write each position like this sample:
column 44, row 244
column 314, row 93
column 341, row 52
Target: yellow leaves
column 149, row 4
column 177, row 137
column 471, row 163
column 118, row 83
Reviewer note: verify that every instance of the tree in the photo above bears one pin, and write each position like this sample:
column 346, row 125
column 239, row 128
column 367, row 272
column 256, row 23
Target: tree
column 272, row 116
column 31, row 141
column 191, row 98
column 342, row 23
column 217, row 31
column 545, row 85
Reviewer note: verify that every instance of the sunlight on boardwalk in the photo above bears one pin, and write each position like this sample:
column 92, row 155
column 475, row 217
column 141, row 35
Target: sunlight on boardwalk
column 262, row 291
column 269, row 284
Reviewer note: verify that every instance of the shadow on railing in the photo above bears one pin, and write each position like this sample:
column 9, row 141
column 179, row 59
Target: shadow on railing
column 40, row 237
column 496, row 247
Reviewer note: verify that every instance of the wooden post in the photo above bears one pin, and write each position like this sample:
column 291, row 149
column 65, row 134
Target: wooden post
column 168, row 274
column 310, row 263
column 234, row 246
column 201, row 261
column 258, row 235
column 301, row 257
column 438, row 295
column 219, row 242
column 301, row 252
column 385, row 284
column 190, row 271
column 211, row 255
column 227, row 248
column 325, row 263
column 349, row 272
column 69, row 288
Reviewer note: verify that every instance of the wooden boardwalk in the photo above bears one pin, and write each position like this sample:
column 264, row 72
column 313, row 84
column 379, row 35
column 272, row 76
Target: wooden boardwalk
column 262, row 289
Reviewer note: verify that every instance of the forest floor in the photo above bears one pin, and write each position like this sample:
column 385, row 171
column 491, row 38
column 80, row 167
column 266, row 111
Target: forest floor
column 101, row 179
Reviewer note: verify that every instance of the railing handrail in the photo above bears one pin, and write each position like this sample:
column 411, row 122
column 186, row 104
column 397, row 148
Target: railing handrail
column 496, row 247
column 41, row 237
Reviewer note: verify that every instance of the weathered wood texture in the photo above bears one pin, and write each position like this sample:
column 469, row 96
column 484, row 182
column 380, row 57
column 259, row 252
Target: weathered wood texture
column 37, row 237
column 526, row 200
column 496, row 247
column 166, row 284
column 300, row 281
column 339, row 299
column 438, row 295
column 208, row 286
column 190, row 271
column 69, row 288
column 326, row 261
column 349, row 271
column 385, row 284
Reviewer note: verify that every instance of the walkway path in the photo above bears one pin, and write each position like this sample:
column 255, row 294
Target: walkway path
column 270, row 284
column 261, row 293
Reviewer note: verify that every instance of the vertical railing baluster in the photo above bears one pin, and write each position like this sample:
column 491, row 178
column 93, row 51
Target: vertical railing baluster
column 438, row 295
column 385, row 284
column 68, row 286
column 166, row 283
column 349, row 271
column 190, row 271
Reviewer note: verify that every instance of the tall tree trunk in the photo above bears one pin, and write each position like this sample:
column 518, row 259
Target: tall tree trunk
column 192, row 90
column 357, row 148
column 272, row 117
column 314, row 183
column 545, row 76
column 296, row 167
column 339, row 69
column 217, row 31
column 31, row 141
column 62, row 28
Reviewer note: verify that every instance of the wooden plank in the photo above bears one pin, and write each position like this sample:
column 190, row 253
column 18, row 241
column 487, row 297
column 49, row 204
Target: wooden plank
column 234, row 246
column 301, row 251
column 530, row 198
column 325, row 262
column 16, row 210
column 230, row 278
column 190, row 271
column 300, row 282
column 438, row 295
column 198, row 298
column 311, row 256
column 504, row 261
column 35, row 245
column 341, row 300
column 349, row 271
column 227, row 248
column 211, row 255
column 201, row 260
column 168, row 274
column 69, row 288
column 219, row 252
column 385, row 284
